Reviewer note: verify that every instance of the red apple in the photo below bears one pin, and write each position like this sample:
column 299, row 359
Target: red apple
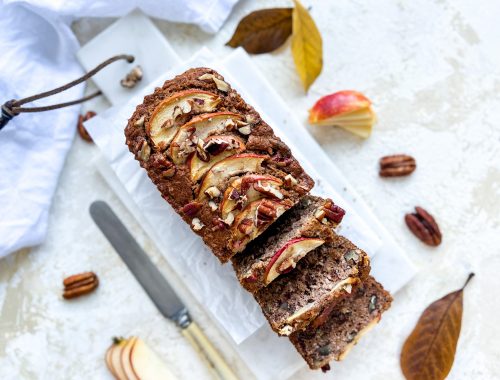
column 163, row 124
column 219, row 147
column 252, row 187
column 229, row 167
column 287, row 257
column 350, row 110
column 199, row 128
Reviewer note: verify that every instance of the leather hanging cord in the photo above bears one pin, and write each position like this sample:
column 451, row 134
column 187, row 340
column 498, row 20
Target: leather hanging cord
column 13, row 107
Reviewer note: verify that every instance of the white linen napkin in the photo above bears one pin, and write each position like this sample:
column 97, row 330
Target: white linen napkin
column 38, row 53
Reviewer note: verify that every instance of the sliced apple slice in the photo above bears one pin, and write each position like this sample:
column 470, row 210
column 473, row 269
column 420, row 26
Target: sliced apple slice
column 350, row 110
column 115, row 359
column 147, row 365
column 287, row 257
column 125, row 359
column 107, row 359
column 199, row 128
column 169, row 114
column 252, row 220
column 249, row 188
column 217, row 148
column 229, row 167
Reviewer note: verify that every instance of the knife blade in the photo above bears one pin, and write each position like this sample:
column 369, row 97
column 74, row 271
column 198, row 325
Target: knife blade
column 157, row 287
column 150, row 278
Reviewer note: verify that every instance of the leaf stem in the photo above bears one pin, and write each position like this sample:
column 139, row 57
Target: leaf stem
column 468, row 279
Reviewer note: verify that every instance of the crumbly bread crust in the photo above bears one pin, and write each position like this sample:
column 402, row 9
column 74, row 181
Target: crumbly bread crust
column 322, row 278
column 301, row 221
column 350, row 319
column 174, row 181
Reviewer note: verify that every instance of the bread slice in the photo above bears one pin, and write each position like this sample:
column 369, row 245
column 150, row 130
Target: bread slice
column 301, row 229
column 347, row 323
column 321, row 279
column 212, row 157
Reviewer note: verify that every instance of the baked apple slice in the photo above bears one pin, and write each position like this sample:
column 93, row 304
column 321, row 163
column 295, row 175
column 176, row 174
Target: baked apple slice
column 147, row 365
column 192, row 134
column 172, row 112
column 214, row 149
column 247, row 189
column 229, row 167
column 252, row 221
column 287, row 257
column 350, row 110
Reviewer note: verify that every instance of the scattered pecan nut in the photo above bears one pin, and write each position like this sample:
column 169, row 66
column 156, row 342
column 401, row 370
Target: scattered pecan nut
column 81, row 129
column 79, row 284
column 424, row 227
column 397, row 165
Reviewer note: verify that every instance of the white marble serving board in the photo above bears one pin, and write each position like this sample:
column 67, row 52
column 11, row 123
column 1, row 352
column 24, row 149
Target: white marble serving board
column 390, row 265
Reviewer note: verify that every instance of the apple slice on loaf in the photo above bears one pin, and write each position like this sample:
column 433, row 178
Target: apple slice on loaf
column 303, row 228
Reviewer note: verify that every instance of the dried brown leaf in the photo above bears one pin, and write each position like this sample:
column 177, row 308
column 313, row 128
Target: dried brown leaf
column 429, row 351
column 263, row 31
column 307, row 45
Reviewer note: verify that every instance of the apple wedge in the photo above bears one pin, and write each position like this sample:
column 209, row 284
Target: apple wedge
column 229, row 167
column 170, row 114
column 249, row 188
column 349, row 110
column 147, row 365
column 197, row 130
column 217, row 148
column 107, row 359
column 115, row 359
column 252, row 220
column 287, row 257
column 125, row 359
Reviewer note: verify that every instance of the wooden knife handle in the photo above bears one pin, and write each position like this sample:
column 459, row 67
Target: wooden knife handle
column 219, row 368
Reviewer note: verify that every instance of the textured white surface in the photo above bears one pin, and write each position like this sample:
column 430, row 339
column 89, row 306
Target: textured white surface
column 432, row 69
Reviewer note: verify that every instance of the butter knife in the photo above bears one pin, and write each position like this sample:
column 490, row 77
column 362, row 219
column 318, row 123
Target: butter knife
column 157, row 287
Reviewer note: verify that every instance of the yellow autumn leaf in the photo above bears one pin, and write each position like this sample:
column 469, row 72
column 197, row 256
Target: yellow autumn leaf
column 307, row 46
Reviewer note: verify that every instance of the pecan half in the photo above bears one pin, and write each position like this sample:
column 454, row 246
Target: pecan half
column 397, row 165
column 266, row 212
column 81, row 129
column 424, row 227
column 80, row 284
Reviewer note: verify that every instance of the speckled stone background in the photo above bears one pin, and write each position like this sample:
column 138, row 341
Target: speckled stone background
column 432, row 68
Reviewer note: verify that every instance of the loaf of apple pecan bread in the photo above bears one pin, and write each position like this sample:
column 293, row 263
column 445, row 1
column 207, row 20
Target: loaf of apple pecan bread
column 344, row 326
column 213, row 158
column 325, row 276
column 304, row 227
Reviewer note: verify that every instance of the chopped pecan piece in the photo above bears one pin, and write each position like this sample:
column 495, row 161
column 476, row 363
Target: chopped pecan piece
column 333, row 212
column 424, row 227
column 81, row 129
column 191, row 209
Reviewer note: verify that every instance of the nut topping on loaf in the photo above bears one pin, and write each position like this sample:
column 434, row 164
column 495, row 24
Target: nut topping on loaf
column 322, row 278
column 300, row 230
column 197, row 138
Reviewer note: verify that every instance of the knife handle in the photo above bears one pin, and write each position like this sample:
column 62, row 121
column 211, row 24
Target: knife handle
column 219, row 368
